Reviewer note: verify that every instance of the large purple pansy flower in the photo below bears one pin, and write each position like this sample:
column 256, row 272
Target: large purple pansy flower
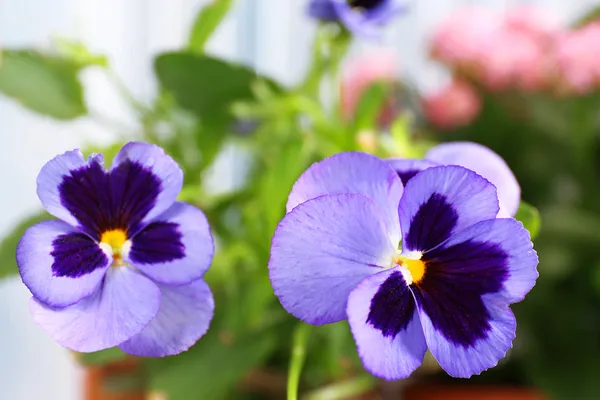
column 337, row 255
column 362, row 17
column 475, row 157
column 123, row 264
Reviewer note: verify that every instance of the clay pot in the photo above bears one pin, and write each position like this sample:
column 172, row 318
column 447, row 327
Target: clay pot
column 471, row 393
column 123, row 380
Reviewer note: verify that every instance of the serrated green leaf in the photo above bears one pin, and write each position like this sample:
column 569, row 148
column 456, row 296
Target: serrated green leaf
column 530, row 217
column 8, row 246
column 45, row 84
column 207, row 21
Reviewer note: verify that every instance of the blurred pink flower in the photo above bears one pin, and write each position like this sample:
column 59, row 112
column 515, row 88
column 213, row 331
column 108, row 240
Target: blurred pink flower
column 578, row 60
column 502, row 51
column 454, row 106
column 462, row 37
column 514, row 59
column 536, row 22
column 361, row 72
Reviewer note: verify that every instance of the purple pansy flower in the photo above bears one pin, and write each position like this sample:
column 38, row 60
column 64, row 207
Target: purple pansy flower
column 475, row 157
column 336, row 255
column 123, row 264
column 362, row 17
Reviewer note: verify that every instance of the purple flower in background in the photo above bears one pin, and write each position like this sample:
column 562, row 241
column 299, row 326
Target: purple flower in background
column 337, row 255
column 123, row 265
column 362, row 17
column 475, row 157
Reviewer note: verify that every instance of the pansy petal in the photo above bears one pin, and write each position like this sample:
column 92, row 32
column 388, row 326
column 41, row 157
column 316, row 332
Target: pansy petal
column 386, row 326
column 59, row 264
column 183, row 318
column 407, row 168
column 353, row 173
column 322, row 249
column 152, row 159
column 486, row 163
column 367, row 21
column 122, row 308
column 462, row 353
column 493, row 256
column 51, row 177
column 175, row 248
column 440, row 201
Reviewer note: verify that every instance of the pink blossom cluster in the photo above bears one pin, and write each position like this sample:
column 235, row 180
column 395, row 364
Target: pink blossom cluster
column 360, row 73
column 456, row 105
column 522, row 49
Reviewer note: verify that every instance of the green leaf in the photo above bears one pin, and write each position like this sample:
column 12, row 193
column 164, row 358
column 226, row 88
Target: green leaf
column 211, row 369
column 370, row 106
column 79, row 54
column 8, row 246
column 590, row 16
column 207, row 21
column 45, row 84
column 210, row 136
column 102, row 357
column 203, row 84
column 530, row 217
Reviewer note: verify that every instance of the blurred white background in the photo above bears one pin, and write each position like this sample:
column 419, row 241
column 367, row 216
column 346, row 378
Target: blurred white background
column 272, row 35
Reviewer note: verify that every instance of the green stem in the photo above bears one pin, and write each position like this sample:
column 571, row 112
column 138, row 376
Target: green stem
column 344, row 389
column 301, row 335
column 125, row 92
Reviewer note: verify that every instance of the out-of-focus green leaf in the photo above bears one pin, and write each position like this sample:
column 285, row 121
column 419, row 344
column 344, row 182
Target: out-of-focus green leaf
column 207, row 21
column 79, row 54
column 211, row 135
column 204, row 84
column 211, row 369
column 530, row 217
column 279, row 178
column 590, row 16
column 370, row 106
column 8, row 246
column 101, row 357
column 45, row 84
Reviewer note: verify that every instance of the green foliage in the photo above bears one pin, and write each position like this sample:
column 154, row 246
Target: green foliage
column 101, row 357
column 43, row 83
column 206, row 23
column 212, row 368
column 8, row 245
column 203, row 84
column 530, row 217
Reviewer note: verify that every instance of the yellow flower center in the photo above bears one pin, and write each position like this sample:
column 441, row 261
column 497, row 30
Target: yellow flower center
column 416, row 267
column 115, row 238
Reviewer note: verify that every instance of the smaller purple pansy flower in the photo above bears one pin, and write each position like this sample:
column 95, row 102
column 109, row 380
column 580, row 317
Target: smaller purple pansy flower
column 362, row 17
column 475, row 157
column 422, row 266
column 124, row 262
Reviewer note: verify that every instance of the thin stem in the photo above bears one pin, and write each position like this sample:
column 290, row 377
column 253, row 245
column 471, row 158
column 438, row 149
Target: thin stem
column 344, row 389
column 125, row 92
column 299, row 344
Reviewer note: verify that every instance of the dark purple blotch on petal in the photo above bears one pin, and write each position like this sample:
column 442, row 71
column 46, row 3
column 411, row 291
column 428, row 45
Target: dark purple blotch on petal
column 105, row 200
column 75, row 255
column 159, row 242
column 432, row 224
column 366, row 4
column 452, row 287
column 406, row 176
column 392, row 307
